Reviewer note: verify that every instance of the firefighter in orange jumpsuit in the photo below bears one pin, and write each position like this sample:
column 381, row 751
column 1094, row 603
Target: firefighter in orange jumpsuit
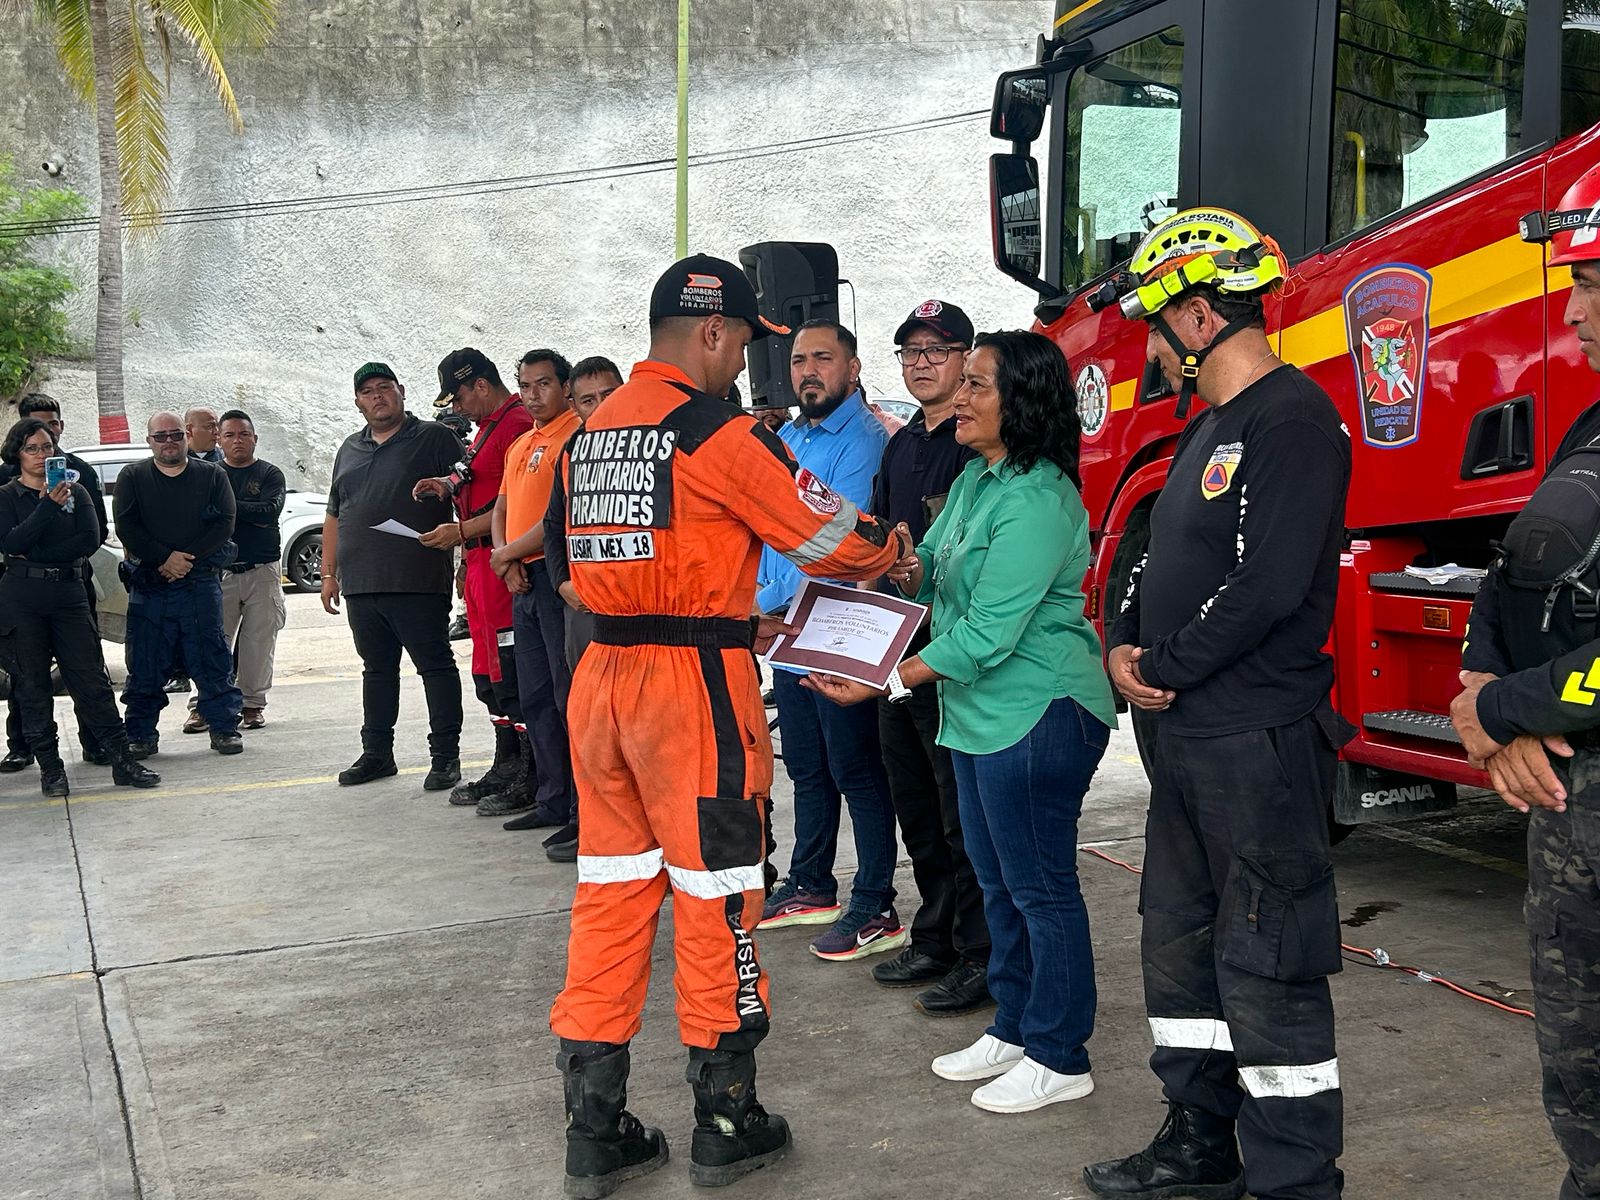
column 669, row 492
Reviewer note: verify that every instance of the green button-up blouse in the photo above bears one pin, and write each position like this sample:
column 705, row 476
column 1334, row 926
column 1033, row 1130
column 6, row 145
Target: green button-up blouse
column 1003, row 568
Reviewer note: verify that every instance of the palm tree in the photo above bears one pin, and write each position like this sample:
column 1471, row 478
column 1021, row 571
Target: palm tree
column 104, row 50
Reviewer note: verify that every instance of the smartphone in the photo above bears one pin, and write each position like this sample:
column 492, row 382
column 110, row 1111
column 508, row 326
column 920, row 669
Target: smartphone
column 55, row 473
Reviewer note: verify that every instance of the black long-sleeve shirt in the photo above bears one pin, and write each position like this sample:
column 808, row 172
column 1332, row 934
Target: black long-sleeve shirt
column 1234, row 597
column 258, row 495
column 88, row 477
column 157, row 513
column 1554, row 696
column 41, row 531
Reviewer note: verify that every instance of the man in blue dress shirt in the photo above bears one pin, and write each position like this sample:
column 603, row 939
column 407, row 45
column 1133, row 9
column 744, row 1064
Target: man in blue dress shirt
column 829, row 750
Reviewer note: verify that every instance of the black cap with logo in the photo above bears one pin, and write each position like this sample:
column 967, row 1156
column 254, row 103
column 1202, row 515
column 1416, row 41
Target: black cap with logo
column 374, row 370
column 948, row 321
column 701, row 286
column 461, row 367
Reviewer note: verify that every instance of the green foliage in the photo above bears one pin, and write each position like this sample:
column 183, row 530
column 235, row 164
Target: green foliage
column 32, row 323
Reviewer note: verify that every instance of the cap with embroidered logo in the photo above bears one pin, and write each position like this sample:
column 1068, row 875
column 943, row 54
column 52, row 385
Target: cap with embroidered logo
column 702, row 286
column 374, row 370
column 948, row 321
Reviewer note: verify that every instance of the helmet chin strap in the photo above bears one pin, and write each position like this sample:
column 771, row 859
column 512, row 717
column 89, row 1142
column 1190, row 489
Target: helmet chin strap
column 1190, row 360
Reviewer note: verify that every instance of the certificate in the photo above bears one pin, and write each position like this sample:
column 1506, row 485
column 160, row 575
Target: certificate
column 847, row 632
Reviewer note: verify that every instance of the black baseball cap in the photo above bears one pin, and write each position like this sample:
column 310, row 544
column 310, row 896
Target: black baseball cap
column 374, row 370
column 461, row 367
column 701, row 286
column 948, row 321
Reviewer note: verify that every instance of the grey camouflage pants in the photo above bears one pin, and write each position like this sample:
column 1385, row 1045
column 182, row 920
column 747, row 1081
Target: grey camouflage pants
column 1563, row 915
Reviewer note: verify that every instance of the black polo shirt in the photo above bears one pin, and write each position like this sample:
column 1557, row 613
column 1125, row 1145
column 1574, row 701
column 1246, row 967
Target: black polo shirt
column 372, row 483
column 919, row 465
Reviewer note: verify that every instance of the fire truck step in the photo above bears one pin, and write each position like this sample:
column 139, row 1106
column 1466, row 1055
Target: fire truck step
column 1411, row 585
column 1413, row 722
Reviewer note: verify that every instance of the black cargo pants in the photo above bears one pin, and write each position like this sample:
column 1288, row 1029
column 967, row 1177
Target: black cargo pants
column 1563, row 912
column 1241, row 931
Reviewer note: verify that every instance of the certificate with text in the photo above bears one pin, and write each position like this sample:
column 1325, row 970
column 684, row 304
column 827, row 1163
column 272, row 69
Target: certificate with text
column 847, row 632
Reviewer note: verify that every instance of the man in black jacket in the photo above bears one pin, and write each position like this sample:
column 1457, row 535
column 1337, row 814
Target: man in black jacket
column 1532, row 672
column 175, row 517
column 253, row 610
column 46, row 409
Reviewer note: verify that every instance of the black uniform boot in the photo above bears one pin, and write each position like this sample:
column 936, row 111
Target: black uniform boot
column 1195, row 1155
column 15, row 760
column 127, row 771
column 733, row 1135
column 52, row 772
column 507, row 762
column 606, row 1144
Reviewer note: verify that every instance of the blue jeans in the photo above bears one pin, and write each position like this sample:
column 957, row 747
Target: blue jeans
column 1019, row 818
column 166, row 618
column 827, row 750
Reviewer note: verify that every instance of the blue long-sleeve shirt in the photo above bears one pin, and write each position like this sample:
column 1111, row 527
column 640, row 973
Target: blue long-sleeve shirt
column 843, row 451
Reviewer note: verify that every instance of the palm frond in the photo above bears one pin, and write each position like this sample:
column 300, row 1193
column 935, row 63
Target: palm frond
column 141, row 122
column 199, row 24
column 70, row 21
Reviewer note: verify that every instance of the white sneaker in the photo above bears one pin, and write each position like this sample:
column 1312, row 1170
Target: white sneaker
column 1028, row 1086
column 985, row 1057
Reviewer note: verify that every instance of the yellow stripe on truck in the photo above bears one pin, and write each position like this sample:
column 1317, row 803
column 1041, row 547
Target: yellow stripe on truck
column 1082, row 8
column 1481, row 281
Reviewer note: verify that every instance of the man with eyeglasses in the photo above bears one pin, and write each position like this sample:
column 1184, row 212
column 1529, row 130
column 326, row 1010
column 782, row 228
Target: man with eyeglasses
column 175, row 518
column 46, row 409
column 948, row 954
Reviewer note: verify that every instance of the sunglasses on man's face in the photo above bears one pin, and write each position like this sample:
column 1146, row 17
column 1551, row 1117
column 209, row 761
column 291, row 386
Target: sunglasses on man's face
column 167, row 435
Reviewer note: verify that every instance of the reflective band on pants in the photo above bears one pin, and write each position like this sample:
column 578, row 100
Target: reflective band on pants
column 1191, row 1033
column 713, row 885
column 619, row 868
column 1290, row 1082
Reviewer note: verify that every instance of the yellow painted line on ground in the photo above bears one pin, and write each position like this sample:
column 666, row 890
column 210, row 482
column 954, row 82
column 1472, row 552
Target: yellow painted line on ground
column 1422, row 841
column 1082, row 8
column 67, row 977
column 101, row 795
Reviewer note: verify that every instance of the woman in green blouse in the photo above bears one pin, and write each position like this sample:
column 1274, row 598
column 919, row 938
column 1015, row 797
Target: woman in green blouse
column 1025, row 708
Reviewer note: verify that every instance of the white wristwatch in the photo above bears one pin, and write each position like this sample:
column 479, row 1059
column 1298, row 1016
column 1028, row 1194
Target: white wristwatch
column 899, row 693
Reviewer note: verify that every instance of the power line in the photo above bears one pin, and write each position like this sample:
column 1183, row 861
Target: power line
column 484, row 187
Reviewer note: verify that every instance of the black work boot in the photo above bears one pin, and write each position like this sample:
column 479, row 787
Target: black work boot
column 444, row 771
column 15, row 760
column 505, row 768
column 733, row 1135
column 127, row 771
column 52, row 772
column 373, row 764
column 606, row 1144
column 1195, row 1155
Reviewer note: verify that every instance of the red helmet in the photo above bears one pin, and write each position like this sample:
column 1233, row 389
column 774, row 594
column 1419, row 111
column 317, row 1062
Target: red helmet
column 1573, row 229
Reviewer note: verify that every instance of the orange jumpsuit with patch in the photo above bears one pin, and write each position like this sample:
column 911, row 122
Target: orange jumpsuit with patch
column 669, row 494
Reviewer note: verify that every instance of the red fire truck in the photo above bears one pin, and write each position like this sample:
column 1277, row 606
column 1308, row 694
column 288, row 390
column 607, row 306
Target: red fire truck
column 1391, row 146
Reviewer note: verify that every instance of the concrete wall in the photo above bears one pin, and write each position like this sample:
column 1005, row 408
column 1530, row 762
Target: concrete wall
column 273, row 313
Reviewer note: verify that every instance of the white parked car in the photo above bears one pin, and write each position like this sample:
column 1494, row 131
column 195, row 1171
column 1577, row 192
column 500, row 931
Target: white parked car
column 300, row 527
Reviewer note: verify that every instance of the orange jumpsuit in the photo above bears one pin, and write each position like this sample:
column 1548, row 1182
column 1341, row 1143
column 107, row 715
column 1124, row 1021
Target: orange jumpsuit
column 669, row 494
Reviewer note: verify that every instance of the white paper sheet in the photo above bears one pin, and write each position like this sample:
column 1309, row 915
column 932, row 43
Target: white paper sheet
column 396, row 528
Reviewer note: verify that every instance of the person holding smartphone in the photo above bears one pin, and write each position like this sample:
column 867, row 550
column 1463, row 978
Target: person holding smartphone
column 48, row 530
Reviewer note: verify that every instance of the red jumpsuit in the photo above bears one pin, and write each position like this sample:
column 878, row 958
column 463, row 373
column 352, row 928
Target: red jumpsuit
column 669, row 494
column 488, row 601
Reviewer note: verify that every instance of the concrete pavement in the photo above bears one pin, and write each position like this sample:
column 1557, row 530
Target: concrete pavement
column 253, row 984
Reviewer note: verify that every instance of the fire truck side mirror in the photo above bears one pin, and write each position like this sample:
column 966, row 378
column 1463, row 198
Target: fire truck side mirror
column 1020, row 99
column 1014, row 219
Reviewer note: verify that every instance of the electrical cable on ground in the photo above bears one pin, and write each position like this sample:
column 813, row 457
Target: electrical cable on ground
column 1377, row 958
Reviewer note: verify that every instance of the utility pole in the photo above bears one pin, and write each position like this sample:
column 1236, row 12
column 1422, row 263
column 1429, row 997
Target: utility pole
column 683, row 128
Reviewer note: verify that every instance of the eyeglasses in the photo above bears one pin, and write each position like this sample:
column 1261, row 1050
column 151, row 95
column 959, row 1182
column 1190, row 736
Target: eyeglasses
column 166, row 435
column 935, row 355
column 46, row 450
